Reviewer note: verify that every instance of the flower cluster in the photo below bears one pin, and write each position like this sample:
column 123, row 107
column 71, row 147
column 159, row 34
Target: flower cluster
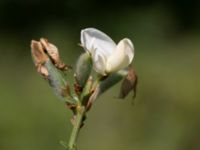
column 110, row 61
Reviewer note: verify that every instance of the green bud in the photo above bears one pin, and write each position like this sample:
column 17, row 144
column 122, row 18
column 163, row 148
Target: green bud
column 83, row 69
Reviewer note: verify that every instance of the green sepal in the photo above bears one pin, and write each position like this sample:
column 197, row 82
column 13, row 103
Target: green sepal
column 105, row 83
column 110, row 81
column 86, row 91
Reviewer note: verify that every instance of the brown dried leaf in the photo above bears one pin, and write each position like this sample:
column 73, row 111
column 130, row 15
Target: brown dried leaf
column 129, row 83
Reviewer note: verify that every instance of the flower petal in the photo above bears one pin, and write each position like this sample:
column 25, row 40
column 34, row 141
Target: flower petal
column 129, row 49
column 122, row 56
column 99, row 62
column 92, row 38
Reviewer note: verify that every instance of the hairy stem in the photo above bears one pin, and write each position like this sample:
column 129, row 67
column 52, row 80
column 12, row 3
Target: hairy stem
column 76, row 128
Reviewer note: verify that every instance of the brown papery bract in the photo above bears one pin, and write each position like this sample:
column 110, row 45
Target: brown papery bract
column 39, row 57
column 129, row 83
column 52, row 52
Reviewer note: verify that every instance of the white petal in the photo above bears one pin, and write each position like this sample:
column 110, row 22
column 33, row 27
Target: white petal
column 122, row 56
column 99, row 62
column 92, row 38
column 129, row 49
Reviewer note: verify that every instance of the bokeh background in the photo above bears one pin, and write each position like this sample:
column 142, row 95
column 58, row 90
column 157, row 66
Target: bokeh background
column 166, row 112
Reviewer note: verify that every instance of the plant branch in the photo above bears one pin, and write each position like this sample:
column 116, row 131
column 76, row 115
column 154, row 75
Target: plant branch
column 76, row 128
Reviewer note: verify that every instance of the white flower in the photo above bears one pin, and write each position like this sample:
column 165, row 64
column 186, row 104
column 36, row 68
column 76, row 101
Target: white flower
column 106, row 55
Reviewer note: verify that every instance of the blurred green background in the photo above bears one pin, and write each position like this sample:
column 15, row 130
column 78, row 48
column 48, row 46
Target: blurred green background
column 166, row 112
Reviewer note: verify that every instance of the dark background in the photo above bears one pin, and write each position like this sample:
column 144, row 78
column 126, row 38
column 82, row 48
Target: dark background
column 166, row 112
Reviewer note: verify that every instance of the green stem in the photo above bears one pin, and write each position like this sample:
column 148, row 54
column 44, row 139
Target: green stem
column 76, row 128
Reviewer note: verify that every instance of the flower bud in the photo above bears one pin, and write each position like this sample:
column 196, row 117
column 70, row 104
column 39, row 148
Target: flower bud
column 83, row 69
